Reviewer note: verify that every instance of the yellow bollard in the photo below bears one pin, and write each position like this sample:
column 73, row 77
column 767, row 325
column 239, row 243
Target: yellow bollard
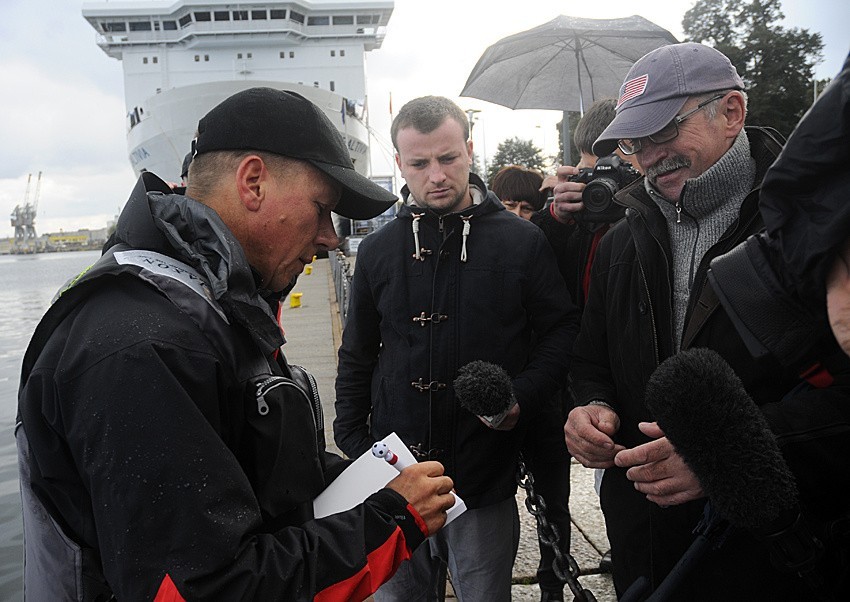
column 308, row 269
column 295, row 299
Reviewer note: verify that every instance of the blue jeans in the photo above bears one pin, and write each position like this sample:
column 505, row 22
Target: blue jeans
column 479, row 548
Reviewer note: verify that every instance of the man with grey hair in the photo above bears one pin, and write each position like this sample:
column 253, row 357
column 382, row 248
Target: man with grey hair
column 681, row 113
column 452, row 280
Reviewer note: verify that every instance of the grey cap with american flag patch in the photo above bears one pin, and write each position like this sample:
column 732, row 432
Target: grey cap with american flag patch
column 659, row 84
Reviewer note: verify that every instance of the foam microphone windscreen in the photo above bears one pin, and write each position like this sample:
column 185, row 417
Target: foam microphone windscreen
column 483, row 388
column 702, row 407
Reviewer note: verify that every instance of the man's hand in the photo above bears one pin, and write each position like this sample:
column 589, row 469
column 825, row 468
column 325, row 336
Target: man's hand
column 838, row 298
column 588, row 433
column 425, row 488
column 567, row 195
column 658, row 470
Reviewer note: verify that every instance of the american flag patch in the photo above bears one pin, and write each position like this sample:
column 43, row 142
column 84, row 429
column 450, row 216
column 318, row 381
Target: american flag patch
column 632, row 88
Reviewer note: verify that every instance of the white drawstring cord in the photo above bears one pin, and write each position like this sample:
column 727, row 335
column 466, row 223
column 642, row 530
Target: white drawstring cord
column 466, row 229
column 416, row 218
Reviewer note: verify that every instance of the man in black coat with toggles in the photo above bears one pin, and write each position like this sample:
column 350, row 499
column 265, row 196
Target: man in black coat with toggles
column 453, row 279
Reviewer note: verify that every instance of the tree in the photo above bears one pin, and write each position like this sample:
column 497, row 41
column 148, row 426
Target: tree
column 776, row 63
column 477, row 166
column 514, row 151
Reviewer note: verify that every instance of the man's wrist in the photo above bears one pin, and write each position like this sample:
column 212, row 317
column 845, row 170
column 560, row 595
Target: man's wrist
column 555, row 216
column 600, row 402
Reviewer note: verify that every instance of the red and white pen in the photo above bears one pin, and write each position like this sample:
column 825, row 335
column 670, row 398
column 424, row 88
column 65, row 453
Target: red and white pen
column 382, row 450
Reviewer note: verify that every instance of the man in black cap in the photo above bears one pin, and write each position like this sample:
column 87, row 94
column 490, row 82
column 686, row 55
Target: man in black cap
column 681, row 112
column 167, row 451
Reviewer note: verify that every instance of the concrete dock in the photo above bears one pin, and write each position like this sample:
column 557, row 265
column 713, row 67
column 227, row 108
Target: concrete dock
column 313, row 333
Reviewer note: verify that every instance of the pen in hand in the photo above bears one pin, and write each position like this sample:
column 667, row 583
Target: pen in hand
column 382, row 450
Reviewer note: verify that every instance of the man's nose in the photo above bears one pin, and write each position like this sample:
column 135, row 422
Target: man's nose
column 649, row 153
column 436, row 173
column 327, row 236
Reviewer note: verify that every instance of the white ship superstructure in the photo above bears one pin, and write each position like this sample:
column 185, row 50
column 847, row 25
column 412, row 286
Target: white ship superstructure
column 182, row 57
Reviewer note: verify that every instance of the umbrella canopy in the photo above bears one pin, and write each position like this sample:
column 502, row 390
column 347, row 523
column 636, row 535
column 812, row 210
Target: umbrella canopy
column 564, row 64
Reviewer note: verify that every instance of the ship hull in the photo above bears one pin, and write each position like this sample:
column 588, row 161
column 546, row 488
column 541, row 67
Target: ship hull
column 163, row 135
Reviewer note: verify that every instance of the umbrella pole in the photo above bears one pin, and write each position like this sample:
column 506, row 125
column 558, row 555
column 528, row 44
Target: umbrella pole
column 565, row 123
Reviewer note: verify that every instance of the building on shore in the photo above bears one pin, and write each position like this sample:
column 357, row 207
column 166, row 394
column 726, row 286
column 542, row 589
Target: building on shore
column 78, row 240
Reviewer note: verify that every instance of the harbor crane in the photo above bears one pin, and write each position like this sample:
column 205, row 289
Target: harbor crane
column 23, row 216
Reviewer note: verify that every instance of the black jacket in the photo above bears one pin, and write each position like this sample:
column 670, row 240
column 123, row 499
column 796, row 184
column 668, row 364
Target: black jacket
column 164, row 449
column 575, row 246
column 627, row 330
column 413, row 323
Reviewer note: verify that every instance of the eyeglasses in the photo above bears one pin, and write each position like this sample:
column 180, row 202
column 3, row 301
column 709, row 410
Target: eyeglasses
column 630, row 146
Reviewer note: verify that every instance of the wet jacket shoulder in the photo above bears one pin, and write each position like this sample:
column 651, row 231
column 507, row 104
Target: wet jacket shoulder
column 429, row 295
column 144, row 443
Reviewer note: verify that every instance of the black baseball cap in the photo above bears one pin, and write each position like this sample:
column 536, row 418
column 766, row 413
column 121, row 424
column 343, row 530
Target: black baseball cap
column 285, row 123
column 184, row 169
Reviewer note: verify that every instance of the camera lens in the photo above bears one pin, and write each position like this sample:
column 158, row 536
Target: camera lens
column 599, row 194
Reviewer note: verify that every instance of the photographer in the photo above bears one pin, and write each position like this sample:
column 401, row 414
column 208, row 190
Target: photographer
column 573, row 232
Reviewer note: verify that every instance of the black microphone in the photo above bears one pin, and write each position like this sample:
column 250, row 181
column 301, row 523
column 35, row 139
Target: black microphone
column 485, row 389
column 702, row 407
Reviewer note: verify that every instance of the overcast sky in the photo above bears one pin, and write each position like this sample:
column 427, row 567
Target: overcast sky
column 62, row 113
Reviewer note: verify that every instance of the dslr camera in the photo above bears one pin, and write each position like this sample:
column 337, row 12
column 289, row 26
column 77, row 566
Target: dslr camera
column 602, row 183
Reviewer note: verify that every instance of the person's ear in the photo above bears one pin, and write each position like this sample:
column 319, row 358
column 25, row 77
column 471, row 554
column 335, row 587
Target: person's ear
column 251, row 182
column 469, row 150
column 734, row 108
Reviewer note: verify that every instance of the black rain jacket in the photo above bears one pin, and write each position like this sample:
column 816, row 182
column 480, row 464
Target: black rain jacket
column 164, row 451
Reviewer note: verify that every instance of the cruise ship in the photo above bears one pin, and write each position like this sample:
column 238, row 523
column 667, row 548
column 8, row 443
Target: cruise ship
column 182, row 57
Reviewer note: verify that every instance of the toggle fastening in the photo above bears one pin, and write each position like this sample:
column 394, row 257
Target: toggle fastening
column 435, row 318
column 431, row 386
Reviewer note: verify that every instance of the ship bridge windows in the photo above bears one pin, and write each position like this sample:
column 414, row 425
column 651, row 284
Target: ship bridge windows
column 140, row 26
column 113, row 26
column 222, row 15
column 296, row 17
column 278, row 13
column 318, row 20
column 185, row 20
column 240, row 15
column 368, row 19
column 169, row 25
column 260, row 15
column 344, row 20
column 202, row 16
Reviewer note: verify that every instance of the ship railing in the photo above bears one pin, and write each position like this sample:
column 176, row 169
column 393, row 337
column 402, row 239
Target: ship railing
column 341, row 270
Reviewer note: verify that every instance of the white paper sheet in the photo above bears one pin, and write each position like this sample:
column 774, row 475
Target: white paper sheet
column 366, row 475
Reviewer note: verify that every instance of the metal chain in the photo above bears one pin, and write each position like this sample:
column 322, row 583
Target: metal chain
column 564, row 566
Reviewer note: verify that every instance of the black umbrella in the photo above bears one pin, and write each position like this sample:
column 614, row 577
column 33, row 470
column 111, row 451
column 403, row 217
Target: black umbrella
column 564, row 64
